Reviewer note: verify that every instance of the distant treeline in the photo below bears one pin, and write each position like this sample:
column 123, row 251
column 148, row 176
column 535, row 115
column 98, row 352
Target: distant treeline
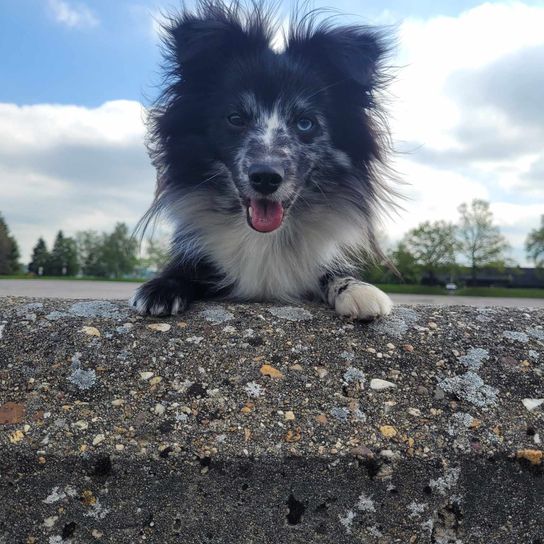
column 432, row 253
column 90, row 253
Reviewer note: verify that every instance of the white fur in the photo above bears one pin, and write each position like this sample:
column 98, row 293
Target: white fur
column 359, row 300
column 271, row 125
column 282, row 265
column 144, row 306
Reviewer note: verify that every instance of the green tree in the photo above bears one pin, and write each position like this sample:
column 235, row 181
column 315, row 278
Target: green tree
column 40, row 258
column 157, row 253
column 433, row 246
column 534, row 245
column 9, row 250
column 90, row 247
column 119, row 252
column 480, row 241
column 406, row 263
column 63, row 259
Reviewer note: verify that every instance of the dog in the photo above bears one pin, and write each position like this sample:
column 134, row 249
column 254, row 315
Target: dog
column 269, row 163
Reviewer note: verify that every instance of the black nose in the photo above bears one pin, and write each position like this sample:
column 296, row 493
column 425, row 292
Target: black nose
column 265, row 178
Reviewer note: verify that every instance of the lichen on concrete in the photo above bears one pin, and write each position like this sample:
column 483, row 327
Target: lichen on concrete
column 471, row 387
column 291, row 313
column 474, row 358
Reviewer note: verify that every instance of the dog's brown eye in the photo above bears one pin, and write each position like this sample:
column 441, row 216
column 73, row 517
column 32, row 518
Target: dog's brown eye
column 236, row 120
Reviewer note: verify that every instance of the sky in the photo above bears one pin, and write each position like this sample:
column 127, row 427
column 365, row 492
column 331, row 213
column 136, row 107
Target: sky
column 76, row 76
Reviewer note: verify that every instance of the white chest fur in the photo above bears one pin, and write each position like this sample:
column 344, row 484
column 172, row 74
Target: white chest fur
column 282, row 265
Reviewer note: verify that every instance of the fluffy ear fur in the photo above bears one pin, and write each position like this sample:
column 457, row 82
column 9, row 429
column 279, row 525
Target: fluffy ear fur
column 347, row 53
column 207, row 39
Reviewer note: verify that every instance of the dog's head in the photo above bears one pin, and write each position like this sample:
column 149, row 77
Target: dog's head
column 270, row 133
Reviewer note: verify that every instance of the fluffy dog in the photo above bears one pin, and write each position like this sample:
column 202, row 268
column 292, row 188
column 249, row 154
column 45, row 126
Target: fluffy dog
column 269, row 163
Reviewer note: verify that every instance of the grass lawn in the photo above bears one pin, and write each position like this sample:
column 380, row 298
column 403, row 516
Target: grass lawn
column 71, row 278
column 466, row 291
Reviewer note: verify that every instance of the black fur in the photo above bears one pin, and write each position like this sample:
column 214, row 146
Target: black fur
column 219, row 63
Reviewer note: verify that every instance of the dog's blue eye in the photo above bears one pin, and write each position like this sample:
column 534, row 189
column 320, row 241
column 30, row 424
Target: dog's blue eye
column 304, row 124
column 236, row 120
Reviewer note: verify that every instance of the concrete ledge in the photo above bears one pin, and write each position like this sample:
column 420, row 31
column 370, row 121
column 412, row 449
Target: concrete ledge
column 261, row 424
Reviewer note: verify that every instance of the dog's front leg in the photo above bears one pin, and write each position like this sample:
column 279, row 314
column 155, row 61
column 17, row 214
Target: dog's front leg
column 354, row 298
column 175, row 288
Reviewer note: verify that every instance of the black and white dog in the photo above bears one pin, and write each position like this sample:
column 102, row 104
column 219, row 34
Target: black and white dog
column 268, row 162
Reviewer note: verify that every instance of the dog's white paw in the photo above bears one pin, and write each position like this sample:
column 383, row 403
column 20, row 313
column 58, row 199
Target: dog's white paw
column 359, row 300
column 158, row 297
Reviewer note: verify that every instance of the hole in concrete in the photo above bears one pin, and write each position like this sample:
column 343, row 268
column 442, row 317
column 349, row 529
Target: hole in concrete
column 197, row 390
column 531, row 431
column 166, row 427
column 321, row 529
column 205, row 461
column 245, row 487
column 296, row 510
column 166, row 452
column 447, row 525
column 68, row 530
column 372, row 467
column 324, row 506
column 177, row 523
column 102, row 467
column 427, row 490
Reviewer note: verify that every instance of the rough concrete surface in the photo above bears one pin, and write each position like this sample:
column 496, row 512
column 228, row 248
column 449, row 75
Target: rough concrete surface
column 263, row 424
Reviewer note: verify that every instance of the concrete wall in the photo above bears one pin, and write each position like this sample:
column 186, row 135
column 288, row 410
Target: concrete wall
column 261, row 424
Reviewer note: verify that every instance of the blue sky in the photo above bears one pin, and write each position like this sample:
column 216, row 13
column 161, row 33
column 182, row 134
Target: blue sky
column 115, row 55
column 76, row 75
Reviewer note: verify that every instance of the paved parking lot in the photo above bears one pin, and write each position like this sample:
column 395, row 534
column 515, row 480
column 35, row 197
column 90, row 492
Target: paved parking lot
column 123, row 290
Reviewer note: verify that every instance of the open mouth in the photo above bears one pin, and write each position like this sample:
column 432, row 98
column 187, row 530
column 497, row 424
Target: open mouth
column 264, row 215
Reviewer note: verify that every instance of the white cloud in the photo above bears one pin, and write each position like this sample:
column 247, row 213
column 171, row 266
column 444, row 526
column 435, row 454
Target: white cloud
column 72, row 168
column 464, row 107
column 73, row 15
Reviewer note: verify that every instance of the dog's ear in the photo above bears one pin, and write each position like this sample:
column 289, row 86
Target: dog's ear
column 203, row 42
column 346, row 53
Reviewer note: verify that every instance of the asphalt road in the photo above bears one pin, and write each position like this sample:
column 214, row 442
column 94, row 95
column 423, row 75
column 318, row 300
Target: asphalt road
column 123, row 290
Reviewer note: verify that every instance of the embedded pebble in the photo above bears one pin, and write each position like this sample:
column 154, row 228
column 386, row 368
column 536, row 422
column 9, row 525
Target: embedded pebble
column 91, row 331
column 98, row 439
column 379, row 385
column 272, row 372
column 159, row 409
column 321, row 371
column 194, row 340
column 160, row 327
column 532, row 404
column 388, row 431
column 146, row 375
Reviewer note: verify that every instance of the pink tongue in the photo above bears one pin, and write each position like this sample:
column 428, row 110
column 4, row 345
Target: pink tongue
column 267, row 215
